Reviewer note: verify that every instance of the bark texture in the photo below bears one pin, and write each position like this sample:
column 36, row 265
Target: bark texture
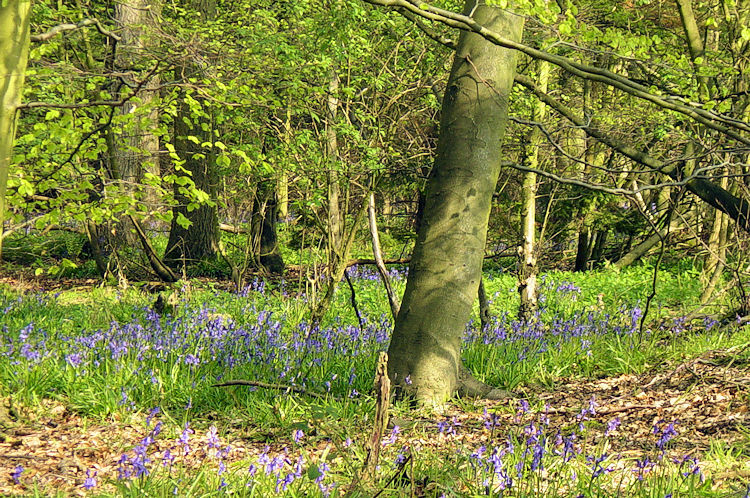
column 14, row 55
column 264, row 229
column 446, row 265
column 200, row 240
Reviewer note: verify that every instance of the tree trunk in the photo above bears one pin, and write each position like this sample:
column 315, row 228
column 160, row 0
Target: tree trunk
column 597, row 253
column 135, row 148
column 446, row 264
column 584, row 249
column 282, row 183
column 14, row 45
column 485, row 318
column 694, row 41
column 713, row 263
column 378, row 256
column 269, row 255
column 199, row 240
column 527, row 268
column 335, row 220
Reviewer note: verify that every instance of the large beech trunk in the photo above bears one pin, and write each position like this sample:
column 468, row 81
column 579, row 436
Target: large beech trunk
column 446, row 264
column 14, row 45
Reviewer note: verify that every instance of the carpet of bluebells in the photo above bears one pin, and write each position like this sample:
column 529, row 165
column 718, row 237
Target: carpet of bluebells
column 163, row 368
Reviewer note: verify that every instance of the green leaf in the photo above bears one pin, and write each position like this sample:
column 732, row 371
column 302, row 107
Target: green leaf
column 313, row 472
column 183, row 221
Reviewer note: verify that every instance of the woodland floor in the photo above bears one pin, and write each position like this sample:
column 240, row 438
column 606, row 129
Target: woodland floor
column 708, row 396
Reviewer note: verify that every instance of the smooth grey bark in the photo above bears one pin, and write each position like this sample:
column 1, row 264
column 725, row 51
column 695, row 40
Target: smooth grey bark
column 446, row 265
column 14, row 55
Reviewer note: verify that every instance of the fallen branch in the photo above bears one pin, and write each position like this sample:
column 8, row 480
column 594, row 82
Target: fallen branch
column 393, row 300
column 370, row 261
column 603, row 411
column 266, row 385
column 163, row 271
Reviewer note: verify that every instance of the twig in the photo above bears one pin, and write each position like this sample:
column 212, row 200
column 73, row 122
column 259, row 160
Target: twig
column 163, row 271
column 603, row 411
column 399, row 472
column 354, row 300
column 266, row 385
column 403, row 261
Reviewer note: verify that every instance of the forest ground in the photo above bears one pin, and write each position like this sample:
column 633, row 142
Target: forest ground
column 679, row 399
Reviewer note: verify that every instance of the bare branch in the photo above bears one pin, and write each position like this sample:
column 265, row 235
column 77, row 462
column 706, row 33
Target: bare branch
column 105, row 103
column 736, row 207
column 724, row 124
column 431, row 33
column 60, row 28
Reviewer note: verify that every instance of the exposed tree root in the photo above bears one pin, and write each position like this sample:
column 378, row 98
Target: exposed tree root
column 469, row 386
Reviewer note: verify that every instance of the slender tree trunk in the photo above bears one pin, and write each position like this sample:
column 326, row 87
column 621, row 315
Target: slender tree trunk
column 694, row 40
column 584, row 249
column 335, row 221
column 600, row 243
column 713, row 264
column 485, row 319
column 376, row 253
column 527, row 268
column 14, row 47
column 446, row 264
column 282, row 183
